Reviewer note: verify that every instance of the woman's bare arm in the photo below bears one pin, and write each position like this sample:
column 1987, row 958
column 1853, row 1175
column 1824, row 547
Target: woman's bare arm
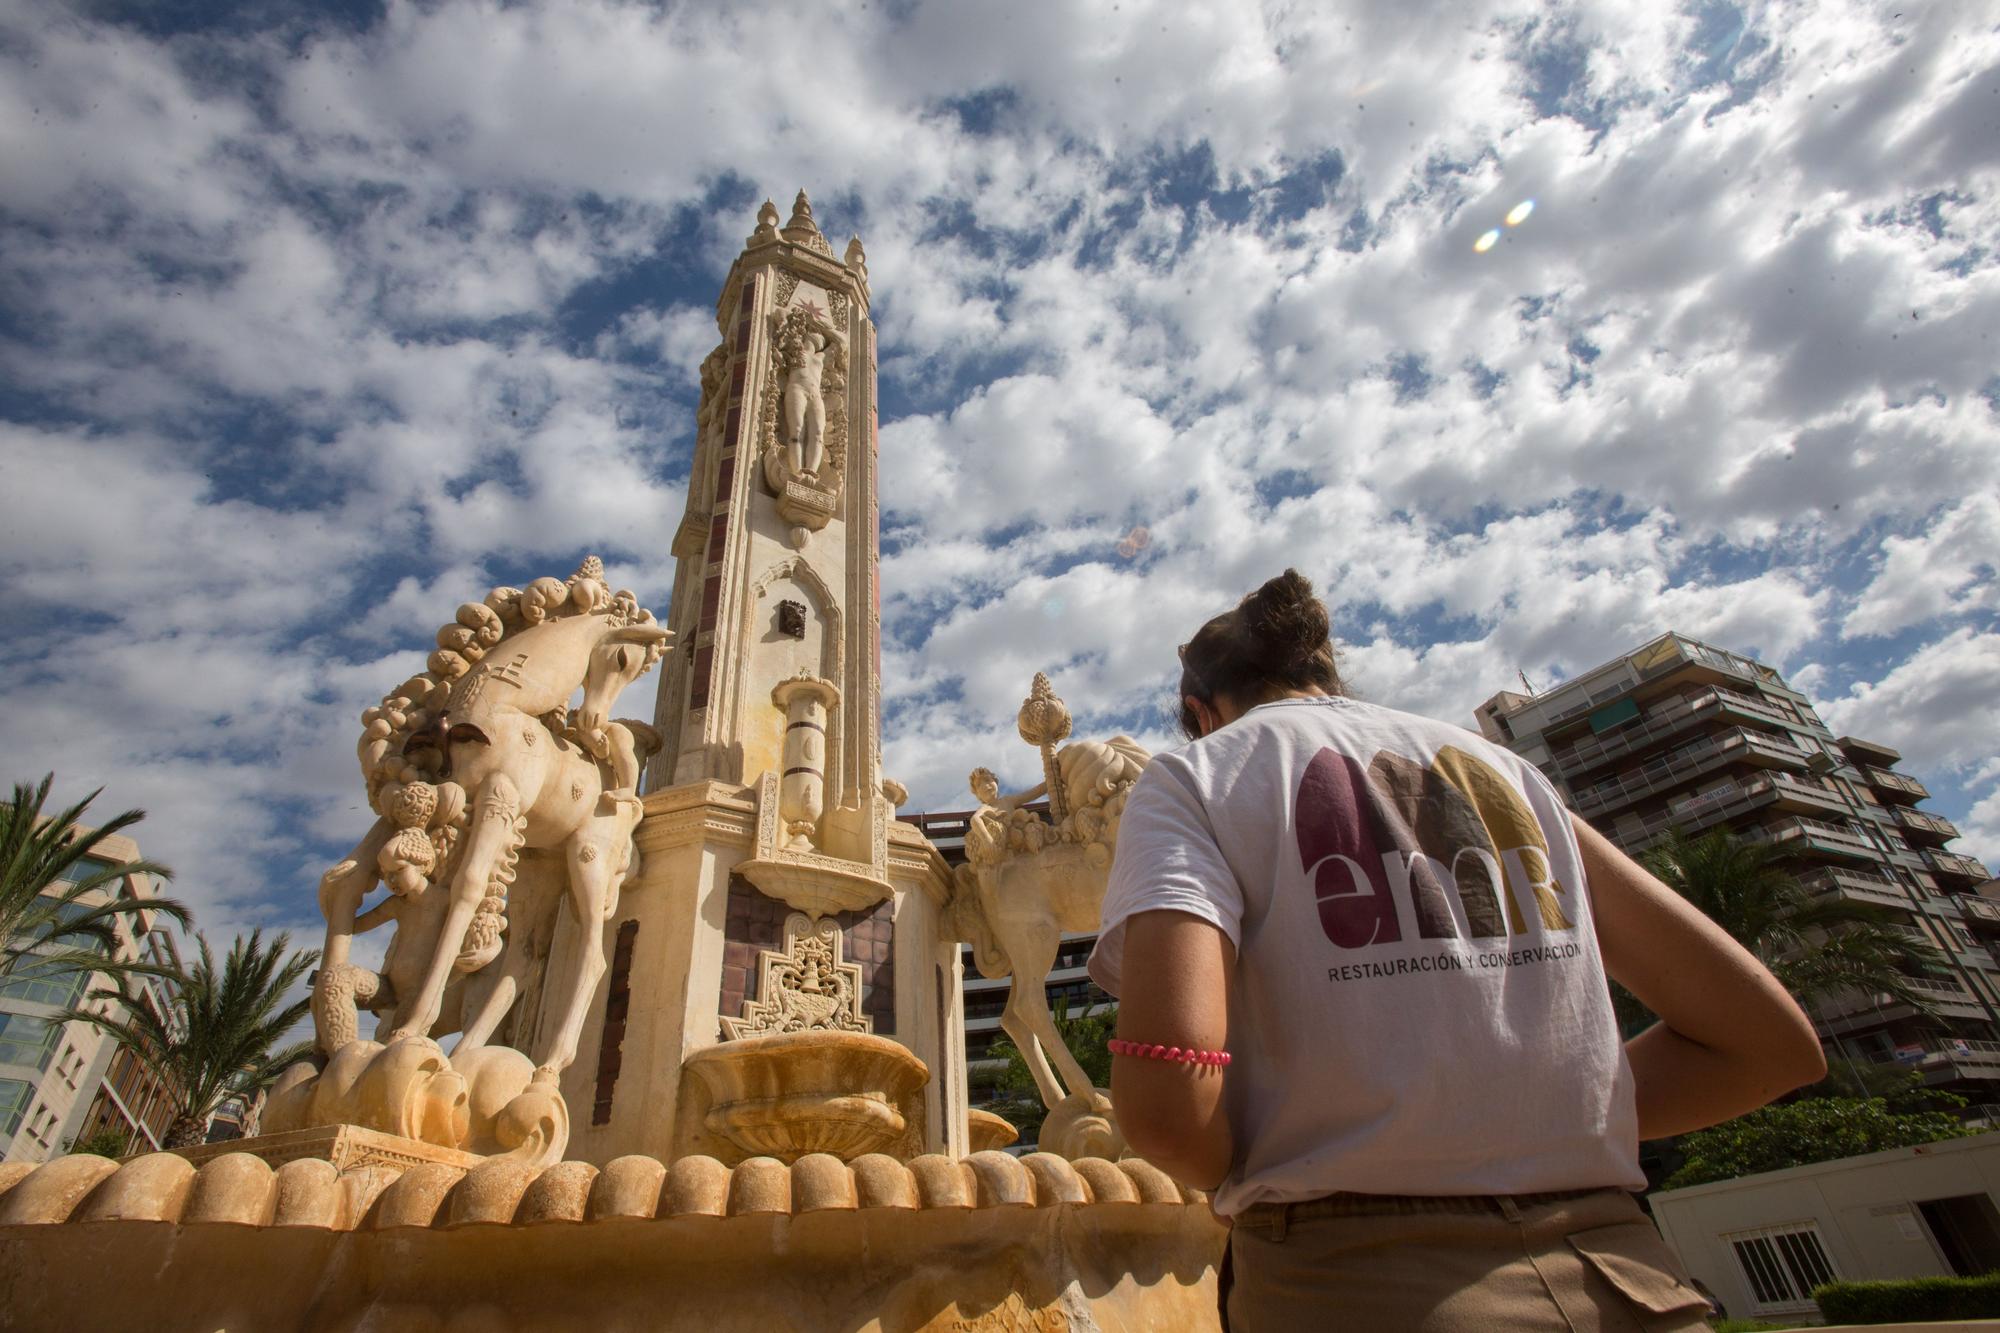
column 1729, row 1039
column 1176, row 993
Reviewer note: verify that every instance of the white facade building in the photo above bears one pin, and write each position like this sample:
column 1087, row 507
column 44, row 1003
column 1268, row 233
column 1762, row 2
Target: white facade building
column 62, row 1081
column 1762, row 1243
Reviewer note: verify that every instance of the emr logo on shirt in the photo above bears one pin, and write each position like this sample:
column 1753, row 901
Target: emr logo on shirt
column 1456, row 832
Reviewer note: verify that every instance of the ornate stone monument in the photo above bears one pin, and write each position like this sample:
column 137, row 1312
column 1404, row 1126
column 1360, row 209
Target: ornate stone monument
column 776, row 894
column 708, row 1067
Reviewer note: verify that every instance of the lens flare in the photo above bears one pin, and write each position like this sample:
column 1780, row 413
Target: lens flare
column 1486, row 241
column 1519, row 212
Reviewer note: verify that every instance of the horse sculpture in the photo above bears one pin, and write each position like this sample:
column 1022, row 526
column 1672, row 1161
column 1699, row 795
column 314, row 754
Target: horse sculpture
column 467, row 766
column 1030, row 878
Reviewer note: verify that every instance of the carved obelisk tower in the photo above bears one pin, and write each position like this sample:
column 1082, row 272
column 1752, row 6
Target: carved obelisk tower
column 775, row 890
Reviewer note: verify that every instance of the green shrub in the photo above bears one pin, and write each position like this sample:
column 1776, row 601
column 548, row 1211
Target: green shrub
column 1798, row 1133
column 1910, row 1300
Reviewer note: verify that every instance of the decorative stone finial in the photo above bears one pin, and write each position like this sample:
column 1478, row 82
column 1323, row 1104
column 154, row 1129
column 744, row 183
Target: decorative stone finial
column 1044, row 723
column 857, row 258
column 802, row 229
column 767, row 225
column 591, row 568
column 1044, row 719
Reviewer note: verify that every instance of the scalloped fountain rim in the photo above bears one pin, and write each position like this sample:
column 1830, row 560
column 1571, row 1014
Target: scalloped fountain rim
column 243, row 1190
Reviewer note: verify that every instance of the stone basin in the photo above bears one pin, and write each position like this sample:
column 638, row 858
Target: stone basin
column 986, row 1131
column 794, row 1093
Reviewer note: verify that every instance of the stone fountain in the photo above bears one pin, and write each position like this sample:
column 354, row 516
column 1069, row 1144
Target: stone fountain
column 701, row 989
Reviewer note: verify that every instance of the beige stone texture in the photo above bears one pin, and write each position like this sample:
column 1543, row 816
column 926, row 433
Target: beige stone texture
column 991, row 1242
column 986, row 1131
column 786, row 1095
column 340, row 1146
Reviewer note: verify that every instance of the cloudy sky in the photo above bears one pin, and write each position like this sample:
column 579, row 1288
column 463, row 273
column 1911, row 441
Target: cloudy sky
column 316, row 321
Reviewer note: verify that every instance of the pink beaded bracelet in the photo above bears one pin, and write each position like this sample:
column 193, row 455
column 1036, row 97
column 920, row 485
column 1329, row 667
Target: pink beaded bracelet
column 1187, row 1056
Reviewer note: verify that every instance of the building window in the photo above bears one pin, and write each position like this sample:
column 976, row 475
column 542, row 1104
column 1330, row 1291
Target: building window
column 62, row 990
column 27, row 1040
column 1783, row 1265
column 14, row 1098
column 86, row 866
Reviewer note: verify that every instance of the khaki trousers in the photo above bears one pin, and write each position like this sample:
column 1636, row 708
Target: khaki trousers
column 1584, row 1261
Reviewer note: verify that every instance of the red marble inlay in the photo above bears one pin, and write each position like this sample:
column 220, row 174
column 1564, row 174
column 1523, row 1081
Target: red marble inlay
column 725, row 477
column 617, row 998
column 731, row 432
column 704, row 666
column 755, row 922
column 742, row 336
column 711, row 600
column 736, row 378
column 718, row 536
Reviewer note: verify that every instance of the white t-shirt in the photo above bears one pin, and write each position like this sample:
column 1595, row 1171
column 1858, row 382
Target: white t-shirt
column 1418, row 1006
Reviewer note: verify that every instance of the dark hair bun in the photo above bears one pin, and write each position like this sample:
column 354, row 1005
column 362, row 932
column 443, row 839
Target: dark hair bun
column 1287, row 620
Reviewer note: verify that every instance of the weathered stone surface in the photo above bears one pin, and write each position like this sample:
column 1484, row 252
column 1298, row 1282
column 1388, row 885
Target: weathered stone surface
column 788, row 1094
column 343, row 1146
column 234, row 1187
column 985, row 1130
column 819, row 1244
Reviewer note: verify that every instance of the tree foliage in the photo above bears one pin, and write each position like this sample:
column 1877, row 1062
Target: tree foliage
column 221, row 1032
column 49, row 872
column 105, row 1142
column 1816, row 945
column 1802, row 1132
column 1018, row 1100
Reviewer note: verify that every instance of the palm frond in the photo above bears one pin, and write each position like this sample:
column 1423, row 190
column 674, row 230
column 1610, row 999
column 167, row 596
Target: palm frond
column 48, row 925
column 221, row 1032
column 1816, row 946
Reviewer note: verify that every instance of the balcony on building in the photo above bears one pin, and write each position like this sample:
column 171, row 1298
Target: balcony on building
column 1922, row 826
column 1946, row 1059
column 1955, row 869
column 1678, row 767
column 1869, row 752
column 1613, row 693
column 1893, row 787
column 1632, row 732
column 1855, row 1011
column 1979, row 910
column 1800, row 835
column 1860, row 886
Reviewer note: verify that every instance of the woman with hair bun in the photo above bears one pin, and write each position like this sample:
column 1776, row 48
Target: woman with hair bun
column 1361, row 960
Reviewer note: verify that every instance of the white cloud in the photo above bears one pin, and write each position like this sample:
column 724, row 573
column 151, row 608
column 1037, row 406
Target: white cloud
column 1940, row 707
column 1946, row 570
column 316, row 332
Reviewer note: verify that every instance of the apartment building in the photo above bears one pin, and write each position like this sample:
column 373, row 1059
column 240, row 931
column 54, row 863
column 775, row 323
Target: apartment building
column 1681, row 733
column 59, row 1081
column 1068, row 984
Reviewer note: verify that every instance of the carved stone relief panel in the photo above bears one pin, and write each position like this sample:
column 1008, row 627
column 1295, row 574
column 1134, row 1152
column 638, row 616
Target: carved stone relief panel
column 808, row 986
column 755, row 925
column 802, row 414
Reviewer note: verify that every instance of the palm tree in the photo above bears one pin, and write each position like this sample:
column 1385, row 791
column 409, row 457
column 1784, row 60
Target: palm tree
column 1816, row 945
column 49, row 928
column 218, row 1035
